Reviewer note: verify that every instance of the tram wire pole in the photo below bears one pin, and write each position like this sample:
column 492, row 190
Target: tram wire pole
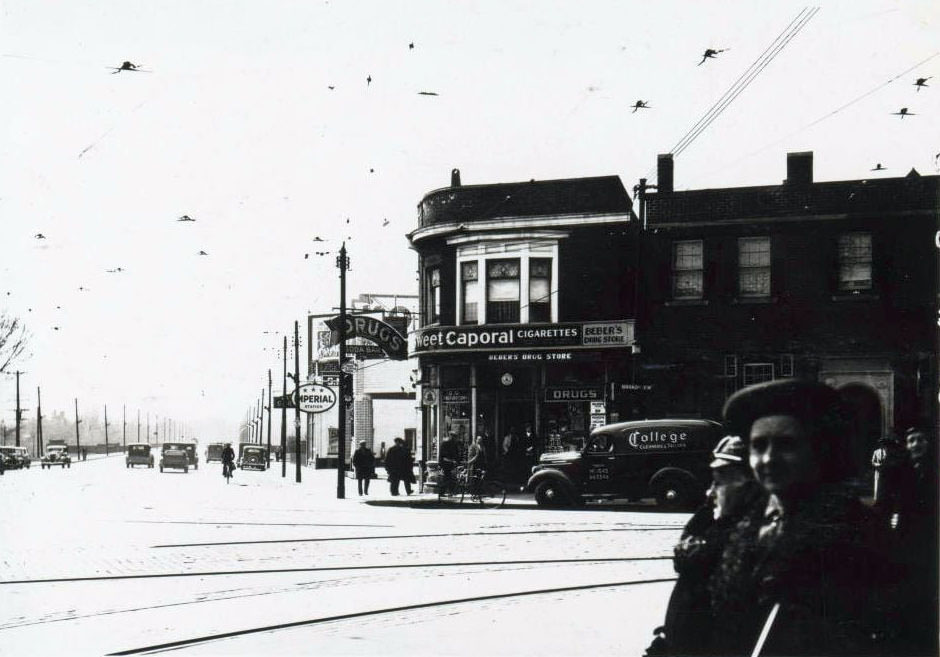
column 269, row 418
column 19, row 411
column 78, row 440
column 106, row 451
column 284, row 414
column 297, row 402
column 38, row 423
column 343, row 263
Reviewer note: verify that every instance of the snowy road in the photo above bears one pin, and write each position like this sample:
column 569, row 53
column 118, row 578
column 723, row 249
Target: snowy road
column 100, row 559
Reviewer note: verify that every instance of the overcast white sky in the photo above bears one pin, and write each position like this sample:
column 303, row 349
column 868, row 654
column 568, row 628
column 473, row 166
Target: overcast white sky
column 234, row 124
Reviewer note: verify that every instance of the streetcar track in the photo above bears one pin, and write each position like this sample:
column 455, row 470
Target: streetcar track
column 398, row 536
column 262, row 524
column 183, row 643
column 267, row 571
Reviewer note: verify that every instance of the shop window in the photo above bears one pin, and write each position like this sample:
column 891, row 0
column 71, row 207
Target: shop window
column 502, row 291
column 433, row 289
column 469, row 280
column 758, row 373
column 687, row 269
column 754, row 267
column 540, row 286
column 855, row 262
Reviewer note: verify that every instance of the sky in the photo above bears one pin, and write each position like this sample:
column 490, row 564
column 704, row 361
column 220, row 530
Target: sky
column 257, row 120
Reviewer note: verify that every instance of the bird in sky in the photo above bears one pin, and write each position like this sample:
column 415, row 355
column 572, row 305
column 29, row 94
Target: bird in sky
column 903, row 112
column 371, row 170
column 640, row 104
column 186, row 217
column 878, row 167
column 711, row 53
column 116, row 270
column 427, row 93
column 82, row 289
column 306, row 256
column 385, row 222
column 368, row 80
column 411, row 46
column 322, row 253
column 126, row 66
column 202, row 253
column 55, row 328
column 40, row 236
column 317, row 238
column 331, row 87
column 922, row 82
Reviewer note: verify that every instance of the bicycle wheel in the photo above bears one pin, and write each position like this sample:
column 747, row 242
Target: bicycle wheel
column 492, row 495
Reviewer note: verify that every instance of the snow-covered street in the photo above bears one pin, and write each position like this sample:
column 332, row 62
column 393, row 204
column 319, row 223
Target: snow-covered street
column 101, row 559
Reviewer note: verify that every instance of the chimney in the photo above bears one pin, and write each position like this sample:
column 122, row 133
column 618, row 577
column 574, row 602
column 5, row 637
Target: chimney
column 799, row 169
column 455, row 177
column 664, row 173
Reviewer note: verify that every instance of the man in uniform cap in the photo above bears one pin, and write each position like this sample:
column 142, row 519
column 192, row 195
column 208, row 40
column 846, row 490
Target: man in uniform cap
column 805, row 576
column 733, row 492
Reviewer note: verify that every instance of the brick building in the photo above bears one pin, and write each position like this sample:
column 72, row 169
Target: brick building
column 834, row 281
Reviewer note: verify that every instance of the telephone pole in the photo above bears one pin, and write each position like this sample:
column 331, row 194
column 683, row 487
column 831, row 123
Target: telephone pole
column 106, row 430
column 138, row 425
column 19, row 411
column 269, row 416
column 284, row 414
column 124, row 426
column 78, row 440
column 38, row 423
column 343, row 263
column 297, row 404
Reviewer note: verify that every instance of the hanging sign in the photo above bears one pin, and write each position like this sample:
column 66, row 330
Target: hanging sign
column 315, row 398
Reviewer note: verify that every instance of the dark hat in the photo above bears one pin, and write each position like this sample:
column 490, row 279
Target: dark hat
column 816, row 405
column 399, row 440
column 730, row 450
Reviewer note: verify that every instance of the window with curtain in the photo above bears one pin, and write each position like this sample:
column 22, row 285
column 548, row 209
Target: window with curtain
column 855, row 262
column 687, row 269
column 434, row 295
column 502, row 291
column 469, row 278
column 754, row 267
column 540, row 286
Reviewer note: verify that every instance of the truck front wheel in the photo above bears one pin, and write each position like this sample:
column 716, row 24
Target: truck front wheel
column 551, row 493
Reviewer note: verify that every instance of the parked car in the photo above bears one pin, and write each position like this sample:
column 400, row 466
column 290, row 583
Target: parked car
column 23, row 457
column 138, row 454
column 56, row 455
column 8, row 458
column 172, row 456
column 192, row 456
column 665, row 459
column 253, row 458
column 214, row 452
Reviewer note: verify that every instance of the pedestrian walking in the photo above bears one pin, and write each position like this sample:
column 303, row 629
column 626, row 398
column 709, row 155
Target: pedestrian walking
column 363, row 461
column 807, row 575
column 398, row 465
column 734, row 492
column 532, row 444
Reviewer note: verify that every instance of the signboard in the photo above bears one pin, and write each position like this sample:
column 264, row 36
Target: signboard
column 315, row 398
column 429, row 397
column 490, row 337
column 391, row 341
column 365, row 351
column 598, row 408
column 573, row 394
column 283, row 401
column 331, row 380
column 455, row 396
column 598, row 421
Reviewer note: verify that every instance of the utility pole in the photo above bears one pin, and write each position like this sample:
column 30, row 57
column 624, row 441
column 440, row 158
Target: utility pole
column 343, row 263
column 148, row 427
column 138, row 425
column 269, row 416
column 261, row 416
column 124, row 426
column 297, row 404
column 284, row 414
column 38, row 423
column 78, row 440
column 19, row 411
column 106, row 451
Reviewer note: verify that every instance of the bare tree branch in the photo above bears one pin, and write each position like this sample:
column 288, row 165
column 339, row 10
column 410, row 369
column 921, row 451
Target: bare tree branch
column 13, row 339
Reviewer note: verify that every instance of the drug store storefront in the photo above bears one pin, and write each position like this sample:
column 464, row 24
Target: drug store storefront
column 488, row 380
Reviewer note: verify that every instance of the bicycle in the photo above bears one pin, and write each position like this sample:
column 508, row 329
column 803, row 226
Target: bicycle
column 474, row 488
column 227, row 471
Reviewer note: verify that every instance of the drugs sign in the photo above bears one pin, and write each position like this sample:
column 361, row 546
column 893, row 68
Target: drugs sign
column 315, row 398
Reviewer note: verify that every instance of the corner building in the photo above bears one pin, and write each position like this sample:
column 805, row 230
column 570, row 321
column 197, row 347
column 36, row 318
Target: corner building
column 527, row 297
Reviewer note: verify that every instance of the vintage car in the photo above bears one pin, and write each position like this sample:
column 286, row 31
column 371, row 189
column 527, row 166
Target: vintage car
column 253, row 458
column 22, row 456
column 214, row 452
column 192, row 456
column 138, row 454
column 8, row 458
column 664, row 459
column 56, row 455
column 173, row 456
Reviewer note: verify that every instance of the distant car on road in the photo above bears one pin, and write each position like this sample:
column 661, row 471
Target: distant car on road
column 22, row 455
column 8, row 458
column 253, row 458
column 192, row 456
column 214, row 452
column 665, row 459
column 138, row 454
column 172, row 456
column 56, row 455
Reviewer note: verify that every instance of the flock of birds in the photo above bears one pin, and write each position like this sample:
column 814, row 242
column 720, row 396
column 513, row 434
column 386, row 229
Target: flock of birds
column 919, row 83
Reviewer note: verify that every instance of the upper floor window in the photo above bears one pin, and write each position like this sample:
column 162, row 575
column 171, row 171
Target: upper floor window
column 469, row 280
column 758, row 373
column 754, row 267
column 434, row 295
column 502, row 291
column 687, row 269
column 855, row 262
column 540, row 286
